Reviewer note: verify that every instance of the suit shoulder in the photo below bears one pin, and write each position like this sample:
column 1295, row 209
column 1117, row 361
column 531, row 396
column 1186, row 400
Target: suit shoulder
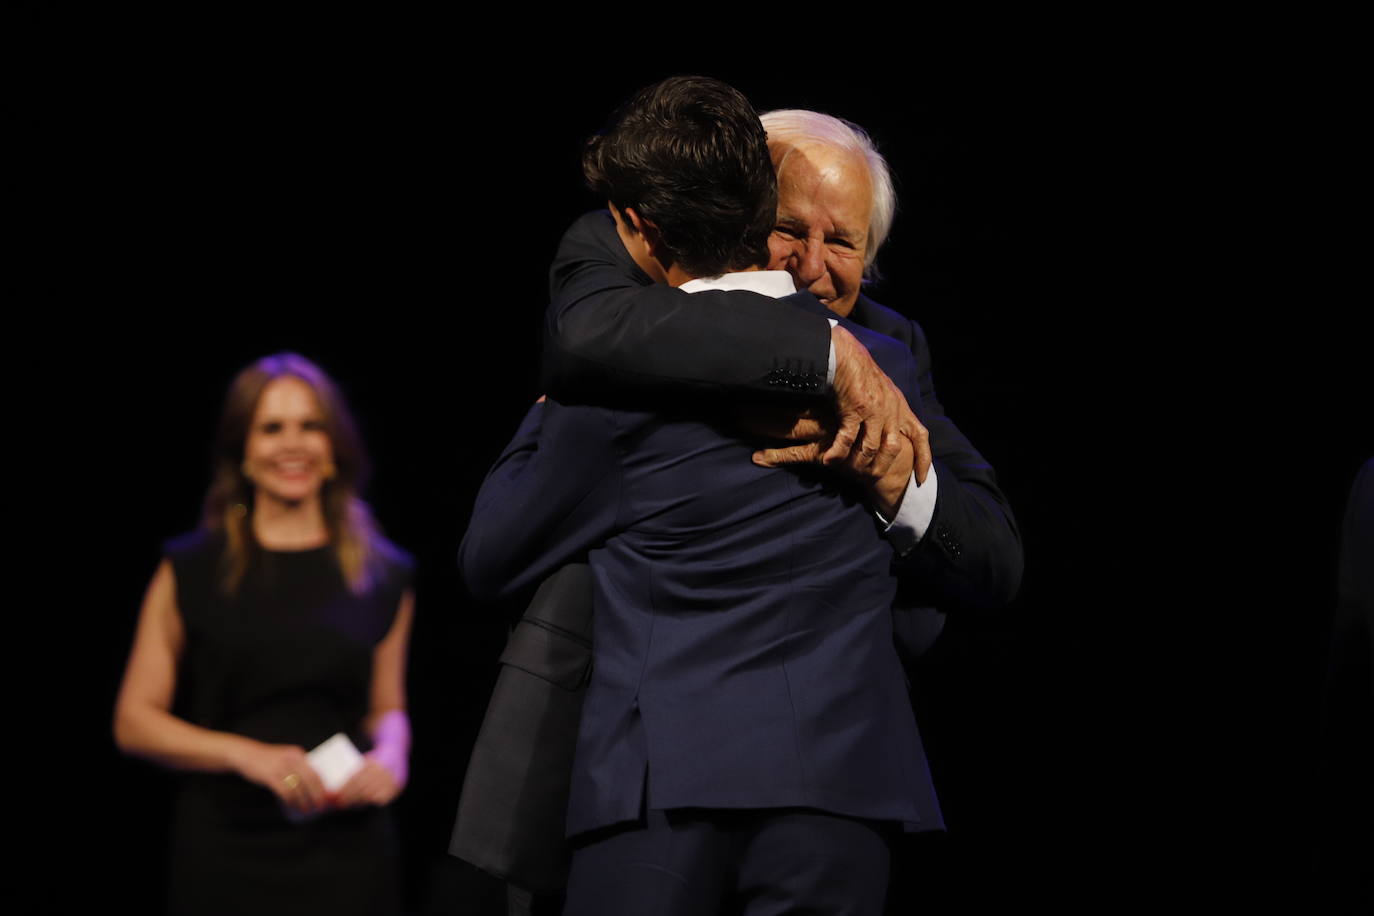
column 894, row 356
column 591, row 235
column 593, row 223
column 875, row 340
column 888, row 321
column 589, row 249
column 579, row 421
column 877, row 313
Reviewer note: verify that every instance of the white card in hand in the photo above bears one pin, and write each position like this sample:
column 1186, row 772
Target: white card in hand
column 336, row 759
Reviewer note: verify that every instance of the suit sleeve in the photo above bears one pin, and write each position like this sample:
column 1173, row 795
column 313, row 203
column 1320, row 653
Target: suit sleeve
column 609, row 329
column 971, row 553
column 551, row 496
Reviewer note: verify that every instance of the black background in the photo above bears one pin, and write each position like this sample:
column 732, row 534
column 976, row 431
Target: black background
column 1130, row 264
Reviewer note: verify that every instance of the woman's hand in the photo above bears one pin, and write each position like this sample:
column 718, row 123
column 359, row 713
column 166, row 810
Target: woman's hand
column 285, row 771
column 379, row 781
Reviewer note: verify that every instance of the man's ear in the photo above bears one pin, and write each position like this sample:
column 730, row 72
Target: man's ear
column 633, row 219
column 649, row 231
column 640, row 238
column 619, row 216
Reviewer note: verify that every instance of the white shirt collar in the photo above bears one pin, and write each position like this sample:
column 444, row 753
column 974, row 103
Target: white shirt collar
column 775, row 283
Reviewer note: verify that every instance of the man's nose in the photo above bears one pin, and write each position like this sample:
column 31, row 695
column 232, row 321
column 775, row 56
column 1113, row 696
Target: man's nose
column 811, row 262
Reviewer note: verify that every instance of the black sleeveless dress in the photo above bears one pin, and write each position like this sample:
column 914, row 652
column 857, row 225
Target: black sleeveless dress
column 286, row 659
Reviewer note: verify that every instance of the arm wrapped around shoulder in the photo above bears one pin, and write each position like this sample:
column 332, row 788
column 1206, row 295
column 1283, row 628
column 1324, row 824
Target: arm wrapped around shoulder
column 610, row 330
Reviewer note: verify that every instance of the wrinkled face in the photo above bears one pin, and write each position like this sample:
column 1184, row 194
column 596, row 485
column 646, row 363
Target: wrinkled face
column 288, row 453
column 825, row 199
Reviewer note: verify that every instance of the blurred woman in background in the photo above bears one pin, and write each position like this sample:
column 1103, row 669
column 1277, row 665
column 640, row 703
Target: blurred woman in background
column 281, row 622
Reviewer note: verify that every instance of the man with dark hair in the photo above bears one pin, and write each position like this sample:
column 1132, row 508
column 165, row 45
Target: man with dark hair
column 746, row 734
column 680, row 159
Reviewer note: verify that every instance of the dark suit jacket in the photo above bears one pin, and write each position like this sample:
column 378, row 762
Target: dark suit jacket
column 611, row 332
column 742, row 625
column 604, row 316
column 515, row 794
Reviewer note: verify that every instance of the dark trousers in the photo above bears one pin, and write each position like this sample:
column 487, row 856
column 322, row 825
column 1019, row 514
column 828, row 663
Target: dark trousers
column 751, row 863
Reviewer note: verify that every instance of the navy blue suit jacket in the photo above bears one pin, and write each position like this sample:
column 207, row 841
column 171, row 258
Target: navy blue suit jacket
column 611, row 331
column 742, row 631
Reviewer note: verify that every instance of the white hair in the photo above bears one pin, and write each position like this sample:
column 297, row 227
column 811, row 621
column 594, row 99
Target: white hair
column 795, row 126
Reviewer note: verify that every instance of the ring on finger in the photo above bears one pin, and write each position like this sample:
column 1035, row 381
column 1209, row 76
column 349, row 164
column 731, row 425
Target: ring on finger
column 291, row 780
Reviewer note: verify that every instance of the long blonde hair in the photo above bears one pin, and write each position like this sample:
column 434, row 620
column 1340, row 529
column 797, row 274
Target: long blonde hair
column 353, row 534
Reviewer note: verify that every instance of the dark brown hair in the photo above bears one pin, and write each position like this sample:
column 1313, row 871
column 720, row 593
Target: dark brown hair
column 690, row 155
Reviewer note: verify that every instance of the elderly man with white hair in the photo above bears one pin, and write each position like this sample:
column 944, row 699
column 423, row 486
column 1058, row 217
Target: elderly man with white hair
column 830, row 177
column 615, row 337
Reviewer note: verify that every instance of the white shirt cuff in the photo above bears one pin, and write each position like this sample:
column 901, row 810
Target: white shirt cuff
column 830, row 370
column 913, row 514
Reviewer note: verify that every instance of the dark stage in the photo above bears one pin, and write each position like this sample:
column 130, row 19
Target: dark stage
column 1132, row 311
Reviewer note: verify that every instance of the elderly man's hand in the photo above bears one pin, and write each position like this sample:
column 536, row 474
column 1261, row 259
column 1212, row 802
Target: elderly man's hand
column 877, row 434
column 813, row 426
